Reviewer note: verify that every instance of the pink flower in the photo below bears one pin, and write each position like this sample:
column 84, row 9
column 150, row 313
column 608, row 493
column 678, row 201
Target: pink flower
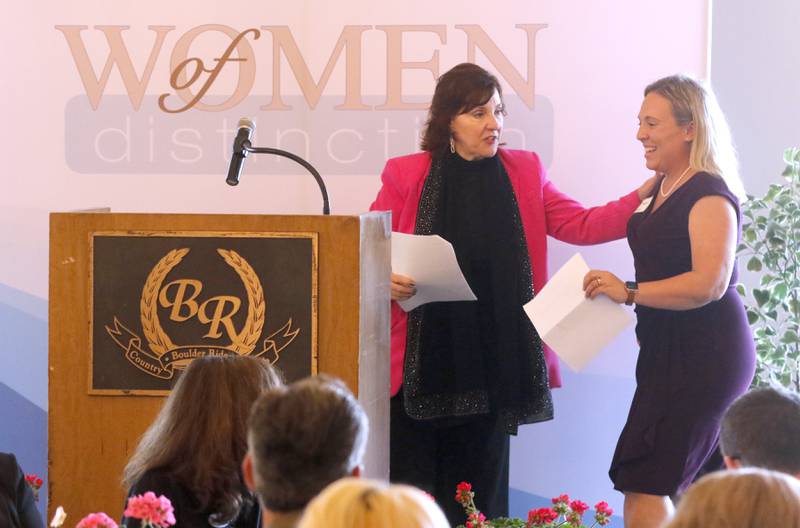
column 560, row 504
column 150, row 509
column 97, row 520
column 35, row 484
column 602, row 513
column 464, row 493
column 578, row 507
column 476, row 520
column 34, row 481
column 542, row 516
column 561, row 498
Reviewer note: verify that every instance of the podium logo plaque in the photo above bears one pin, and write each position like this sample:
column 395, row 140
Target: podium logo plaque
column 161, row 300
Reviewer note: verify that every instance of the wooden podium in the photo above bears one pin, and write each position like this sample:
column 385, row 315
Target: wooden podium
column 92, row 432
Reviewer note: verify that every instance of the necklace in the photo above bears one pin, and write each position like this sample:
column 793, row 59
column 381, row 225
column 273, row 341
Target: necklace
column 661, row 188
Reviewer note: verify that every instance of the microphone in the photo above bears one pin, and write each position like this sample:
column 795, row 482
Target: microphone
column 242, row 147
column 240, row 150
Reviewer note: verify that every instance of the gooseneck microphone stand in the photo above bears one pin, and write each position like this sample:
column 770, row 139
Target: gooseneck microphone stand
column 242, row 147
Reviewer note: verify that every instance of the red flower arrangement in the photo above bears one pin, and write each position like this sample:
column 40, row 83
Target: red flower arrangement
column 564, row 513
column 35, row 482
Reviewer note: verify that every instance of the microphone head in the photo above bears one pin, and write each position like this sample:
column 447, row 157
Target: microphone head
column 246, row 123
column 240, row 145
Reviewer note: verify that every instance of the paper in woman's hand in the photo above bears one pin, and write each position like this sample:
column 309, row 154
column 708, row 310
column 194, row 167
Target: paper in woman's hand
column 575, row 327
column 431, row 262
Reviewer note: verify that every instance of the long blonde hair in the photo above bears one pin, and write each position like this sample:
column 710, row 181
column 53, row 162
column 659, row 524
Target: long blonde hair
column 745, row 498
column 712, row 148
column 200, row 435
column 363, row 503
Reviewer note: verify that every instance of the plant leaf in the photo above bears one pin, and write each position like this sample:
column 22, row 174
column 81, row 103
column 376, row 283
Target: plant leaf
column 790, row 337
column 754, row 264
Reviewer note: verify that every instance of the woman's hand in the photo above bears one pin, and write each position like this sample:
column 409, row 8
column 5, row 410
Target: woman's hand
column 646, row 189
column 403, row 287
column 598, row 282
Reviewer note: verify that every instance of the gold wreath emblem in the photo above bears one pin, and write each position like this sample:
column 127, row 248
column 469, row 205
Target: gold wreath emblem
column 243, row 343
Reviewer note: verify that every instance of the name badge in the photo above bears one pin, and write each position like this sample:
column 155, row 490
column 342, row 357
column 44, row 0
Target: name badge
column 645, row 203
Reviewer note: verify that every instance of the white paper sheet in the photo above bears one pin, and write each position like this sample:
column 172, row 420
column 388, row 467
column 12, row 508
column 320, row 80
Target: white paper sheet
column 431, row 262
column 575, row 327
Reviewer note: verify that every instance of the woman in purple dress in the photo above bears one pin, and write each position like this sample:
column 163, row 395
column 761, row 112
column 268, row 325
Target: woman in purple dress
column 696, row 349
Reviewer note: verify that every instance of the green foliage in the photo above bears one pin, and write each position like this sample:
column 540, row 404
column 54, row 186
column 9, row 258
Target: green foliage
column 770, row 246
column 504, row 522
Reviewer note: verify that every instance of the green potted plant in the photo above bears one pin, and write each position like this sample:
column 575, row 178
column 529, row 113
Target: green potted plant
column 770, row 245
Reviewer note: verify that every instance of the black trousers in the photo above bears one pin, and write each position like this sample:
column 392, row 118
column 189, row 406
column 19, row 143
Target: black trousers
column 435, row 456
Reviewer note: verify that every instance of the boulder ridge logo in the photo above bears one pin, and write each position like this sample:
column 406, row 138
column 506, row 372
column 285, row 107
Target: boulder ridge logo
column 183, row 299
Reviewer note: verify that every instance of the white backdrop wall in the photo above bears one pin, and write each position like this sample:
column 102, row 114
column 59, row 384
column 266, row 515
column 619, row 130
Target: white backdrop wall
column 755, row 53
column 342, row 83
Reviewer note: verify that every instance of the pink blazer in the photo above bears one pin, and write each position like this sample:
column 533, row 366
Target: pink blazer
column 544, row 211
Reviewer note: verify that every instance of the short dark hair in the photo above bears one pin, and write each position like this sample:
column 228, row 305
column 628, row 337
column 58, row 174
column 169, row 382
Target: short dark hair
column 302, row 438
column 458, row 90
column 762, row 429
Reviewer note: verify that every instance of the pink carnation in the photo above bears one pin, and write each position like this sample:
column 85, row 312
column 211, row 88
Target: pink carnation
column 97, row 520
column 150, row 509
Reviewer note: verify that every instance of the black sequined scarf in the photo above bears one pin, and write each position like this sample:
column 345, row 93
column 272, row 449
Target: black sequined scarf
column 469, row 358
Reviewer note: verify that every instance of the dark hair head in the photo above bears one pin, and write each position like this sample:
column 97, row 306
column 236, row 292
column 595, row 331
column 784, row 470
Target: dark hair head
column 302, row 438
column 459, row 90
column 762, row 429
column 200, row 435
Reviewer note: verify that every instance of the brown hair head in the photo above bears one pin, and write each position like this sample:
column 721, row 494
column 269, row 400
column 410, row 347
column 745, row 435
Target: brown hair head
column 458, row 90
column 200, row 435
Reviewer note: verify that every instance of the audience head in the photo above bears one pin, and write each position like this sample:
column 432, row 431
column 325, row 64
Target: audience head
column 459, row 90
column 712, row 148
column 200, row 434
column 301, row 438
column 363, row 503
column 744, row 498
column 762, row 429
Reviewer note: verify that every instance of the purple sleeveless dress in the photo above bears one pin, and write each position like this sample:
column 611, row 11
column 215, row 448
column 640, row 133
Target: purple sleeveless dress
column 692, row 363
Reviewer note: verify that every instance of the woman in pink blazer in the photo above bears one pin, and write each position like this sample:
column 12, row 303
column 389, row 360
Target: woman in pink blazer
column 465, row 375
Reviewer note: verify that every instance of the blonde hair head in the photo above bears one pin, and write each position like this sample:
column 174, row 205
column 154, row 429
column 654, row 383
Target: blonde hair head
column 745, row 498
column 363, row 503
column 712, row 148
